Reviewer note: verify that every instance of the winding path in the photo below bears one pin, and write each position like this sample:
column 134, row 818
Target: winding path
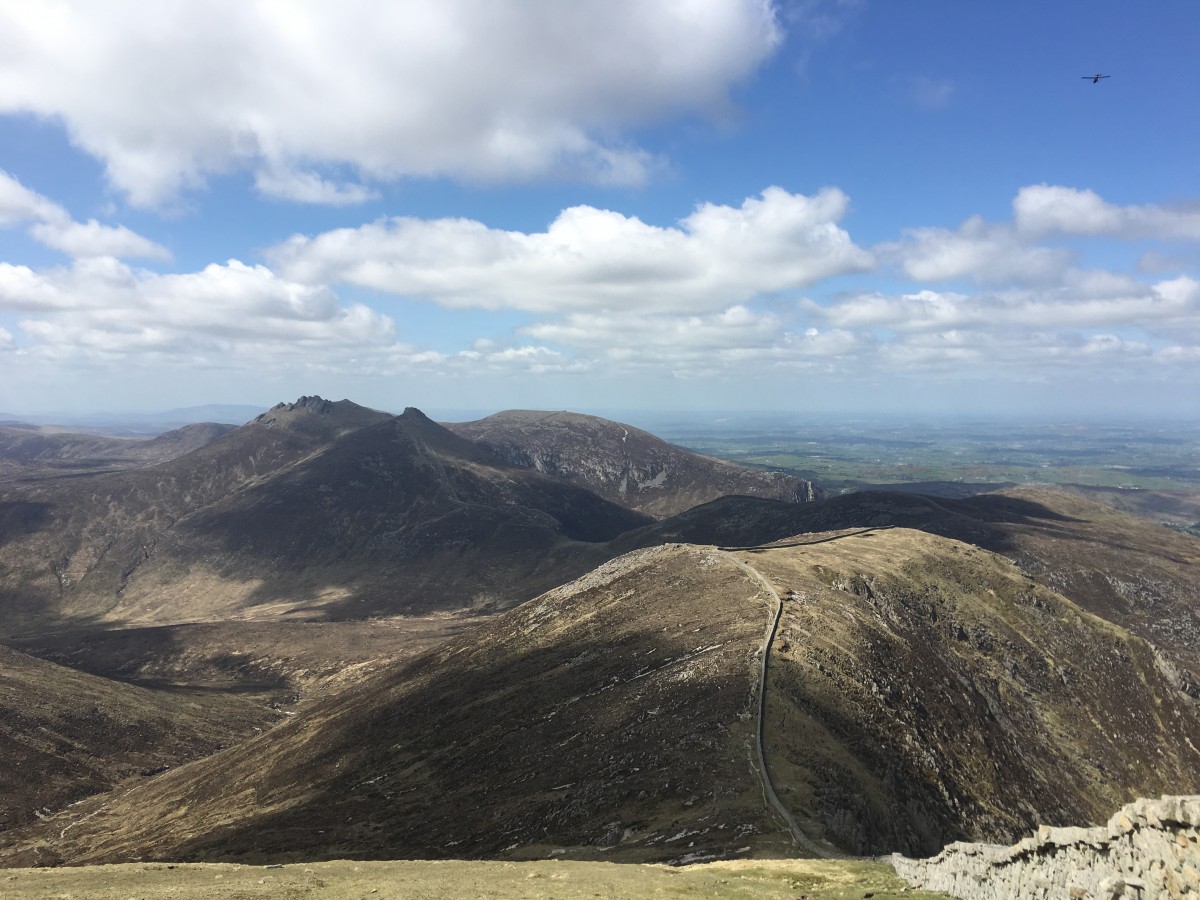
column 772, row 798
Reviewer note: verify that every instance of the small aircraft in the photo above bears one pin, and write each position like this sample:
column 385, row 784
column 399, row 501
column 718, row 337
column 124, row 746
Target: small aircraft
column 1094, row 79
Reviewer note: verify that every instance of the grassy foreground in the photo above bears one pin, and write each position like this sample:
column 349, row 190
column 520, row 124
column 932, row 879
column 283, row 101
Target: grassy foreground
column 414, row 880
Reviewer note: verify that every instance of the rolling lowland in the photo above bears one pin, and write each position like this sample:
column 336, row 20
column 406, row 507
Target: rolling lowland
column 333, row 633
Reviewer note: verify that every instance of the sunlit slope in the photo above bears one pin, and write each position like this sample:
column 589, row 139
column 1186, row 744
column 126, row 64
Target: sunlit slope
column 919, row 690
column 1135, row 572
column 925, row 690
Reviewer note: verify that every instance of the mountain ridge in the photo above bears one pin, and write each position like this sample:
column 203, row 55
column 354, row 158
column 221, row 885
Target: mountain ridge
column 918, row 692
column 622, row 463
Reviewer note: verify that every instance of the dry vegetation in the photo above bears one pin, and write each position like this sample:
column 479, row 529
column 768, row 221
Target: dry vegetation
column 412, row 880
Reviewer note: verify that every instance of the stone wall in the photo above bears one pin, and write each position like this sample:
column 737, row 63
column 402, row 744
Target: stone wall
column 1149, row 850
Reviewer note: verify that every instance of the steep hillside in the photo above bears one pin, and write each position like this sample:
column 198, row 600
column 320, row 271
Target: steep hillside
column 623, row 464
column 919, row 690
column 1124, row 568
column 274, row 662
column 606, row 705
column 65, row 735
column 313, row 509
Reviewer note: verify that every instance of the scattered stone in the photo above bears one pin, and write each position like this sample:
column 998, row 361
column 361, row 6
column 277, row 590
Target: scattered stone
column 1149, row 850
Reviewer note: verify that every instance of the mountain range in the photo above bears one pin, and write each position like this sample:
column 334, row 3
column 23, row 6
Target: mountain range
column 545, row 633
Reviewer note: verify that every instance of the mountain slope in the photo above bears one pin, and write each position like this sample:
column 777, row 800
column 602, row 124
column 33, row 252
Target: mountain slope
column 919, row 690
column 65, row 735
column 314, row 508
column 623, row 464
column 1133, row 572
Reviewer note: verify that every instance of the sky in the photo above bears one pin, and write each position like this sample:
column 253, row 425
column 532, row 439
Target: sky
column 804, row 205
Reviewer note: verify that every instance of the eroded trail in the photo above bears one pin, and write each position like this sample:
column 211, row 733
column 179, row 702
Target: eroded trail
column 798, row 835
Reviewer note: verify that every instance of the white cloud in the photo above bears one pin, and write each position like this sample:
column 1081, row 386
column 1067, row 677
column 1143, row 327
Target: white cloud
column 18, row 204
column 226, row 315
column 592, row 259
column 1166, row 305
column 1050, row 209
column 54, row 227
column 309, row 187
column 81, row 239
column 168, row 93
column 977, row 250
column 736, row 342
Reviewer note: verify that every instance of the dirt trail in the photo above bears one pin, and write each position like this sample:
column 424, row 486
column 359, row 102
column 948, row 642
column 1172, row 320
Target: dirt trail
column 772, row 798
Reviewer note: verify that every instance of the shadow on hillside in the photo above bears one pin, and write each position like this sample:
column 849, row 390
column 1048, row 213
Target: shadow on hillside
column 21, row 517
column 471, row 754
column 990, row 521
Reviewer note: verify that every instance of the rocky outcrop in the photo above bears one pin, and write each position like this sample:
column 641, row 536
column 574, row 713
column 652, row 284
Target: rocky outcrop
column 1148, row 850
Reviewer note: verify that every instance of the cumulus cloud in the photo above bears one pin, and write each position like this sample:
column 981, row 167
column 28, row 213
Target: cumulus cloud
column 1162, row 306
column 592, row 258
column 977, row 250
column 19, row 204
column 1051, row 209
column 54, row 227
column 169, row 93
column 737, row 342
column 309, row 187
column 102, row 306
column 80, row 239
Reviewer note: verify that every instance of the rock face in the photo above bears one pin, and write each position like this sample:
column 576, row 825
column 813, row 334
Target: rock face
column 1148, row 850
column 624, row 464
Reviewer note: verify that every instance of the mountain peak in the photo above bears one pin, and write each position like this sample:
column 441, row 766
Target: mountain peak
column 314, row 404
column 339, row 414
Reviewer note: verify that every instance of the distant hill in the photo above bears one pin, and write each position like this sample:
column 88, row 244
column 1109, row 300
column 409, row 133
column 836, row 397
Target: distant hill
column 623, row 464
column 36, row 451
column 919, row 690
column 134, row 424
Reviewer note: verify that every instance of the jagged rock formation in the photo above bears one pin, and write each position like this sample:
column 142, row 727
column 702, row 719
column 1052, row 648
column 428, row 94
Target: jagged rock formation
column 624, row 464
column 1150, row 850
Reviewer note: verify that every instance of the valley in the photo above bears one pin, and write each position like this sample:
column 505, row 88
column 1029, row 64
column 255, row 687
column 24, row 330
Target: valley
column 332, row 633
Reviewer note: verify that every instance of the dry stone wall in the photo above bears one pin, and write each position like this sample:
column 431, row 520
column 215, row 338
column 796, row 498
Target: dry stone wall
column 1150, row 850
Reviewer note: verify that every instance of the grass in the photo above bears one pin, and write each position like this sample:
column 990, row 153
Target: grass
column 426, row 880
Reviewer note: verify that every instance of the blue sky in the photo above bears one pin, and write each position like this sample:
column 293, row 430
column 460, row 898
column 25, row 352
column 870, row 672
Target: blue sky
column 805, row 206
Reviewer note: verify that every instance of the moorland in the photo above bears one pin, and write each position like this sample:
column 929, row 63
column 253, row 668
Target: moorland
column 333, row 633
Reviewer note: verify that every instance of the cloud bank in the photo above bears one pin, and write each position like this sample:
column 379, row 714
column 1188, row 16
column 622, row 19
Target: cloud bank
column 318, row 99
column 774, row 287
column 592, row 258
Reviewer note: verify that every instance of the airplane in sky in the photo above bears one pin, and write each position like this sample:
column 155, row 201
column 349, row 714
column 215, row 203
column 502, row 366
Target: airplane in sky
column 1095, row 79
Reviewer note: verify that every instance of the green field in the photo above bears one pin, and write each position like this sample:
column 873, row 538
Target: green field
column 849, row 454
column 453, row 879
